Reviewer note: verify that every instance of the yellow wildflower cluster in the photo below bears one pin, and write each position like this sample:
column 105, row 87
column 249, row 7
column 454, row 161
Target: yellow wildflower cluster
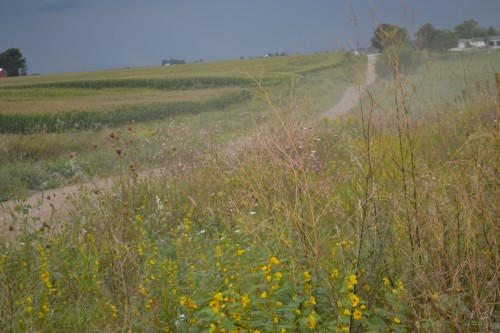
column 245, row 300
column 113, row 310
column 216, row 303
column 312, row 320
column 44, row 274
column 189, row 303
column 352, row 281
column 43, row 311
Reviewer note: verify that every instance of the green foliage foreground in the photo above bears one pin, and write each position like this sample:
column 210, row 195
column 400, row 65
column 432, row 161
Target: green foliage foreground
column 312, row 228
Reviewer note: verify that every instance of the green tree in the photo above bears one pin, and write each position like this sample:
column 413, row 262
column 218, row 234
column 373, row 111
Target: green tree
column 428, row 37
column 492, row 32
column 387, row 35
column 468, row 29
column 13, row 62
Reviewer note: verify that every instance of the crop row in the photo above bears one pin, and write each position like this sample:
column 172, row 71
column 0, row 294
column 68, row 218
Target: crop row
column 27, row 123
column 177, row 83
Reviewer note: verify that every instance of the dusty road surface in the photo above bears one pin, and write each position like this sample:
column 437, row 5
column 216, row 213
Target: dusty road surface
column 351, row 95
column 50, row 208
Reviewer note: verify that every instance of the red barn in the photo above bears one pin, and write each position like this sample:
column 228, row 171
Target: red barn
column 3, row 72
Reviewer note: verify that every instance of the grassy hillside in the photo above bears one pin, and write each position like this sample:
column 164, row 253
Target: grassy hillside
column 383, row 221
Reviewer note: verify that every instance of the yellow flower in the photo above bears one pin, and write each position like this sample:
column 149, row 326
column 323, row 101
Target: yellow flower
column 276, row 320
column 29, row 300
column 357, row 314
column 218, row 297
column 367, row 287
column 386, row 281
column 244, row 301
column 396, row 320
column 347, row 312
column 143, row 290
column 187, row 302
column 307, row 276
column 212, row 328
column 354, row 299
column 28, row 309
column 312, row 322
column 215, row 306
column 362, row 307
column 269, row 278
column 274, row 261
column 278, row 275
column 263, row 295
column 335, row 273
column 266, row 269
column 283, row 330
column 237, row 317
column 279, row 303
column 297, row 312
column 352, row 281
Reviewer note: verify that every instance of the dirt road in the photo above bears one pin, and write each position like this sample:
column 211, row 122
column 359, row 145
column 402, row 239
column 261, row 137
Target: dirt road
column 51, row 207
column 351, row 95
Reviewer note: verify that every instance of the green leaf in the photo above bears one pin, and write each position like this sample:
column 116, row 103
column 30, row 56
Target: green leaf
column 376, row 323
column 227, row 324
column 399, row 329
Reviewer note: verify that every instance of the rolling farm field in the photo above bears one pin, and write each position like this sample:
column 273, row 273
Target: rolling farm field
column 229, row 197
column 46, row 119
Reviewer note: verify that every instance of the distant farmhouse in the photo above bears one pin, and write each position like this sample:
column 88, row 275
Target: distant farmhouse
column 477, row 43
column 493, row 41
column 3, row 72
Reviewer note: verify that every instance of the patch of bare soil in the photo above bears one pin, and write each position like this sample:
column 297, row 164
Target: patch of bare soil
column 49, row 209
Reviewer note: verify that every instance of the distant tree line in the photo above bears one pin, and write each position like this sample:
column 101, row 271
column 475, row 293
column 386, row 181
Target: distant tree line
column 13, row 62
column 173, row 62
column 276, row 54
column 428, row 37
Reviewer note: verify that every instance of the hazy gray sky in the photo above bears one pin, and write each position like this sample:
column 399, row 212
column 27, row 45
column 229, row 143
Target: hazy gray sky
column 82, row 35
